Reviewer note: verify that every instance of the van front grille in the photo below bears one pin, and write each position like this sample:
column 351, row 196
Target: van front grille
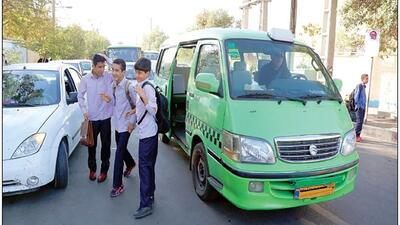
column 308, row 148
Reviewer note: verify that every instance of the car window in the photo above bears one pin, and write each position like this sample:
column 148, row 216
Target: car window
column 209, row 61
column 76, row 77
column 69, row 84
column 166, row 61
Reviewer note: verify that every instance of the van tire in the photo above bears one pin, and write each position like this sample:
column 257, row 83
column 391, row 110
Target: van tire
column 61, row 173
column 200, row 174
column 164, row 139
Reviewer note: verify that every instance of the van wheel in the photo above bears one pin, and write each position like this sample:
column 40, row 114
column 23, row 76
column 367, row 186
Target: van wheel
column 164, row 139
column 200, row 173
column 61, row 174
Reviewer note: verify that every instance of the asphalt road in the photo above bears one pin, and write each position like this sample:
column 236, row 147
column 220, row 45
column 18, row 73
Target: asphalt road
column 374, row 200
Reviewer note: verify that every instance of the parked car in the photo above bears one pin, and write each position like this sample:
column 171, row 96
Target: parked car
column 86, row 66
column 152, row 56
column 41, row 124
column 72, row 62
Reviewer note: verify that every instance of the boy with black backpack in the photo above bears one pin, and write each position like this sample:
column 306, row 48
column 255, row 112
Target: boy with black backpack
column 146, row 110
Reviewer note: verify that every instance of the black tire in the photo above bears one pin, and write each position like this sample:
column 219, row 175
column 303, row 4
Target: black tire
column 164, row 139
column 200, row 173
column 61, row 174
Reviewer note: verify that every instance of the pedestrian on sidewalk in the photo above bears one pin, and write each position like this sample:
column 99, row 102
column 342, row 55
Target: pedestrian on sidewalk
column 146, row 108
column 123, row 119
column 98, row 109
column 360, row 101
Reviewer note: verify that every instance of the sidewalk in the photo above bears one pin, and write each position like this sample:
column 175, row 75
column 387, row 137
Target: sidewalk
column 380, row 127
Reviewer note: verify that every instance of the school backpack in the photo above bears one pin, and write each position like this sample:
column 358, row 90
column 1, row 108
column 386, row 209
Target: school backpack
column 352, row 103
column 126, row 93
column 162, row 110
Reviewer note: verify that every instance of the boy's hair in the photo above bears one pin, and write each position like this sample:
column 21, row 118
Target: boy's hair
column 143, row 64
column 97, row 59
column 363, row 76
column 120, row 62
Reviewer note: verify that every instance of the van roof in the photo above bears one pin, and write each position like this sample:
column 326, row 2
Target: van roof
column 123, row 46
column 218, row 34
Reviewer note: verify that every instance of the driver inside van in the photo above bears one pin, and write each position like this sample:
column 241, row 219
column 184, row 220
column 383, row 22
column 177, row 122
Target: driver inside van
column 276, row 69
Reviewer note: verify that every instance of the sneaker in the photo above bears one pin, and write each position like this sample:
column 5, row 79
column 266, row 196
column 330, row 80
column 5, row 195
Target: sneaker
column 143, row 212
column 102, row 177
column 128, row 170
column 117, row 191
column 358, row 139
column 92, row 175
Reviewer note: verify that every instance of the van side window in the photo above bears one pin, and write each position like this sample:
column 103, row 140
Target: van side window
column 166, row 61
column 209, row 61
column 184, row 58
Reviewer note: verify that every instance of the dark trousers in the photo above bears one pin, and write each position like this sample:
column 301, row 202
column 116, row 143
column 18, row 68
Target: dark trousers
column 148, row 148
column 104, row 128
column 121, row 155
column 360, row 113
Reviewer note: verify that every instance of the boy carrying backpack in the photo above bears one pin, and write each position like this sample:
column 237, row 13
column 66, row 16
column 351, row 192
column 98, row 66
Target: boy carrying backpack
column 146, row 112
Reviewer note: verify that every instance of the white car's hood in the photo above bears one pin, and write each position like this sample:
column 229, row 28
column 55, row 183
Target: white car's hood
column 20, row 123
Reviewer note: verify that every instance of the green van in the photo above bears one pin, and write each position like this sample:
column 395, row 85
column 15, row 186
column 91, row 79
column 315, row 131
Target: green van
column 260, row 117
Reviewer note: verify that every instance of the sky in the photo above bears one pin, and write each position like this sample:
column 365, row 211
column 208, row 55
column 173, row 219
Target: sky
column 127, row 21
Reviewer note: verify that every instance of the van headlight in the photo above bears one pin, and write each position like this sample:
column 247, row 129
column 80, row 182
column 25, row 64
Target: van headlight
column 349, row 143
column 30, row 146
column 246, row 149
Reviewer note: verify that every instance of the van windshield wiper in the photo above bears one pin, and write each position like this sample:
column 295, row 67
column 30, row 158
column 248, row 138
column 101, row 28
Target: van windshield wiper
column 321, row 97
column 258, row 95
column 280, row 98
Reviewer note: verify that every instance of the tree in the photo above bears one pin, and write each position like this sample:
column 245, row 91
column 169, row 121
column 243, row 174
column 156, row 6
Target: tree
column 154, row 39
column 95, row 43
column 311, row 31
column 213, row 18
column 358, row 15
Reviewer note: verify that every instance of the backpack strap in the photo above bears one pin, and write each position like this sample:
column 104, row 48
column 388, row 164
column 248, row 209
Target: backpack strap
column 127, row 84
column 145, row 113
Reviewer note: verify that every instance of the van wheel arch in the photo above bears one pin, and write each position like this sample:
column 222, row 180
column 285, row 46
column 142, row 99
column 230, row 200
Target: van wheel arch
column 195, row 140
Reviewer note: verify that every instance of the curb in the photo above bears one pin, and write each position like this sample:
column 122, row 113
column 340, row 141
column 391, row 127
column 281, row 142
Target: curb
column 387, row 135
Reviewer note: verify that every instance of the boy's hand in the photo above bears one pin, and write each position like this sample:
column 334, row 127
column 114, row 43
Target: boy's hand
column 131, row 127
column 139, row 91
column 86, row 116
column 133, row 111
column 105, row 97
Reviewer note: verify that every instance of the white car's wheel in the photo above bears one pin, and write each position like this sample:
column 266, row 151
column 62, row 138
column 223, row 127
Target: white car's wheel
column 61, row 174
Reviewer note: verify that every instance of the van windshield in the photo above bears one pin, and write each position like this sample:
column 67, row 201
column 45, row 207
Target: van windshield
column 129, row 54
column 276, row 70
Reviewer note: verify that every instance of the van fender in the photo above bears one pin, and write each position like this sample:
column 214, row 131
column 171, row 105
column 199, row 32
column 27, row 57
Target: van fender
column 195, row 138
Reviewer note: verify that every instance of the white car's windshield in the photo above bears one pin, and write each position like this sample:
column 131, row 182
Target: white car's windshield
column 86, row 65
column 30, row 88
column 127, row 54
column 276, row 70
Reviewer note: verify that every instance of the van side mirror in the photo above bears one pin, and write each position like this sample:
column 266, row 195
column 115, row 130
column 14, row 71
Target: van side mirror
column 73, row 97
column 207, row 82
column 338, row 84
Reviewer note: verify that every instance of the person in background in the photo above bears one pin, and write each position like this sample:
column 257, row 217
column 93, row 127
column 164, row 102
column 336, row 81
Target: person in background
column 360, row 101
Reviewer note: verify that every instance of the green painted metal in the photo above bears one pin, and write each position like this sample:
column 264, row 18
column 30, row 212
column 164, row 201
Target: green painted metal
column 208, row 115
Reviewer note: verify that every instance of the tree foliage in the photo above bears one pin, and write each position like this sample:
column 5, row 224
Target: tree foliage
column 154, row 39
column 358, row 15
column 213, row 18
column 29, row 23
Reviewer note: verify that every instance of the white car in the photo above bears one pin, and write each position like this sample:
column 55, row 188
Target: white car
column 41, row 125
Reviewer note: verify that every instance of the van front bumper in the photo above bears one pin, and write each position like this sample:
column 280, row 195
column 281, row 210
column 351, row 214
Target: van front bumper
column 278, row 188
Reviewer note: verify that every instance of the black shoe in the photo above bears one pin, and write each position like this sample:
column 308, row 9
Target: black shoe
column 143, row 212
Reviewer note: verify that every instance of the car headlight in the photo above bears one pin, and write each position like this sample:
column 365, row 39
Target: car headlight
column 246, row 149
column 30, row 146
column 349, row 143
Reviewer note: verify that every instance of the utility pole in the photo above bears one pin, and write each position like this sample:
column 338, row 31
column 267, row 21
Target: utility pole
column 329, row 33
column 245, row 15
column 53, row 11
column 293, row 16
column 263, row 15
